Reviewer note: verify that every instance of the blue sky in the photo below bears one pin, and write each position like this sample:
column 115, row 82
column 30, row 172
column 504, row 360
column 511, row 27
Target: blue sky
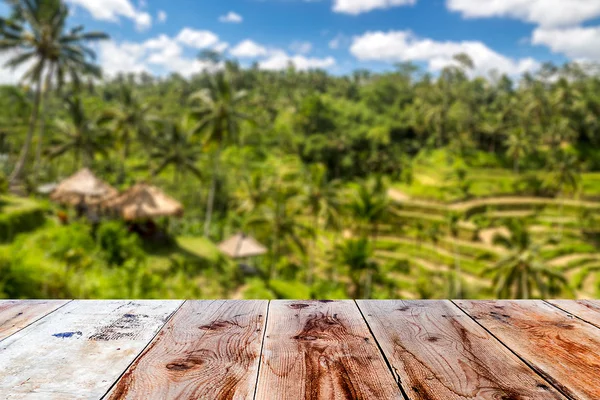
column 511, row 36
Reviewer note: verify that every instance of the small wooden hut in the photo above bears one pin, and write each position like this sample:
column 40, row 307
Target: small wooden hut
column 242, row 246
column 144, row 201
column 84, row 187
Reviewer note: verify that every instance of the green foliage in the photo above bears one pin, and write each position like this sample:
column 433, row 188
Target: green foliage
column 3, row 183
column 303, row 161
column 118, row 244
column 18, row 217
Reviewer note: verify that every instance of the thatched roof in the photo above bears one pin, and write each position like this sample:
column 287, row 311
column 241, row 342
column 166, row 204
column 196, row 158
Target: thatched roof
column 242, row 246
column 144, row 201
column 84, row 184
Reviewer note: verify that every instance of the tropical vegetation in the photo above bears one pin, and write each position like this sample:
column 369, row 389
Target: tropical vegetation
column 393, row 184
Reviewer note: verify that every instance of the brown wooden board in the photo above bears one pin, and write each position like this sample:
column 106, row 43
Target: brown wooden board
column 17, row 314
column 562, row 348
column 208, row 350
column 321, row 350
column 439, row 352
column 79, row 350
column 588, row 310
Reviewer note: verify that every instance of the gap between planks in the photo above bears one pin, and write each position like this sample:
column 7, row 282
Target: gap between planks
column 142, row 351
column 262, row 346
column 567, row 307
column 35, row 318
column 525, row 361
column 388, row 363
column 561, row 348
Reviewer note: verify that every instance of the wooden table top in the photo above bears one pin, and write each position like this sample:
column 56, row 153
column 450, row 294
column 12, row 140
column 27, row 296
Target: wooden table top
column 368, row 349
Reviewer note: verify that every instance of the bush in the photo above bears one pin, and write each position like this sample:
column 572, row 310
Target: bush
column 19, row 221
column 533, row 185
column 118, row 245
column 3, row 183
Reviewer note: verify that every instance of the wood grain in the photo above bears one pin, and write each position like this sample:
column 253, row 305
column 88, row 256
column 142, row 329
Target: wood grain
column 17, row 314
column 208, row 350
column 439, row 352
column 321, row 350
column 562, row 348
column 588, row 310
column 80, row 350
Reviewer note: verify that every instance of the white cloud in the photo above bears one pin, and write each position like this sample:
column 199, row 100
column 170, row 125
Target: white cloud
column 577, row 43
column 541, row 12
column 356, row 7
column 301, row 47
column 161, row 54
column 113, row 10
column 161, row 16
column 280, row 60
column 125, row 57
column 249, row 49
column 231, row 17
column 220, row 47
column 11, row 75
column 337, row 42
column 197, row 39
column 400, row 46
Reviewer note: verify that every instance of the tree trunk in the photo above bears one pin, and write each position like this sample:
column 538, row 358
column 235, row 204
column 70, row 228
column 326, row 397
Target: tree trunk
column 124, row 155
column 41, row 134
column 211, row 194
column 15, row 176
column 457, row 271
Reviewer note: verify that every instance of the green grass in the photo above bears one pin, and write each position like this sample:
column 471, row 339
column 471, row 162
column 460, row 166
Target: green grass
column 200, row 247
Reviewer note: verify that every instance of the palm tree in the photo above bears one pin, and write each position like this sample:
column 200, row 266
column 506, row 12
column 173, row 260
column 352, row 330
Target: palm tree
column 521, row 274
column 357, row 256
column 79, row 135
column 455, row 282
column 370, row 205
column 564, row 173
column 128, row 120
column 254, row 191
column 321, row 197
column 177, row 146
column 37, row 32
column 519, row 145
column 220, row 117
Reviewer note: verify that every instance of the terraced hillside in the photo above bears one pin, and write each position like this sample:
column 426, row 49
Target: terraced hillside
column 433, row 237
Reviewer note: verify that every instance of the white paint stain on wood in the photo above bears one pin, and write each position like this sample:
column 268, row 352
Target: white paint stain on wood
column 80, row 350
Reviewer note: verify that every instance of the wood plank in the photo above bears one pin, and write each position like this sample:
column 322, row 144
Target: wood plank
column 79, row 350
column 564, row 349
column 321, row 350
column 588, row 310
column 208, row 350
column 439, row 352
column 17, row 314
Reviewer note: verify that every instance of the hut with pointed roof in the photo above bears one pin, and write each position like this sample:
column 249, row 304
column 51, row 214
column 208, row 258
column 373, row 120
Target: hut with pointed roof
column 83, row 186
column 242, row 246
column 143, row 201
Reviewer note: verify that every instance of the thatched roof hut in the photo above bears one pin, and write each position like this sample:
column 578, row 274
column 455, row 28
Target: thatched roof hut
column 144, row 201
column 242, row 246
column 83, row 185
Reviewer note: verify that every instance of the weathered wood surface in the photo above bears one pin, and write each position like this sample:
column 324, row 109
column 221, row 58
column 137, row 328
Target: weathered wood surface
column 588, row 310
column 208, row 350
column 321, row 350
column 439, row 353
column 562, row 348
column 17, row 314
column 413, row 350
column 80, row 350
